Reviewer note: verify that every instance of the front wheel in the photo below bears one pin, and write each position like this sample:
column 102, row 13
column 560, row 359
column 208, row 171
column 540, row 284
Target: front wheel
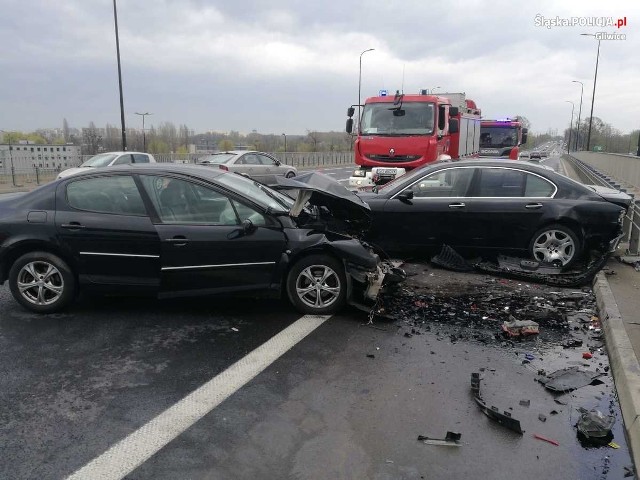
column 317, row 285
column 290, row 175
column 42, row 282
column 555, row 244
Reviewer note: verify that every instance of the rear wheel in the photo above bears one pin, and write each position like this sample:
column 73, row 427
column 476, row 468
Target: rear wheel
column 290, row 175
column 42, row 282
column 317, row 285
column 555, row 244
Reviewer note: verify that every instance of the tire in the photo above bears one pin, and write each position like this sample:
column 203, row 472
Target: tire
column 290, row 175
column 320, row 298
column 555, row 244
column 53, row 284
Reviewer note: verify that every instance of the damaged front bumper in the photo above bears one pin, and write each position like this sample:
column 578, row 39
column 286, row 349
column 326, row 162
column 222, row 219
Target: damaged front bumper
column 368, row 284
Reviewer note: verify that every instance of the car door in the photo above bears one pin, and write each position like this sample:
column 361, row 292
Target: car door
column 435, row 215
column 205, row 247
column 506, row 206
column 269, row 168
column 103, row 223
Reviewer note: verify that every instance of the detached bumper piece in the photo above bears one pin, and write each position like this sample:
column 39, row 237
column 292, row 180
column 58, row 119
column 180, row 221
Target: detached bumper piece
column 503, row 418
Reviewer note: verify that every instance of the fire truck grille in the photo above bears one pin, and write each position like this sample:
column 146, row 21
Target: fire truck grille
column 396, row 158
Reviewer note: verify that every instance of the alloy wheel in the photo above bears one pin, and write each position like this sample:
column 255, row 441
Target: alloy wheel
column 40, row 283
column 318, row 286
column 554, row 246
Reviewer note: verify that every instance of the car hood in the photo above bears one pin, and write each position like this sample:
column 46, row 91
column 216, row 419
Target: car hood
column 72, row 171
column 331, row 197
column 612, row 195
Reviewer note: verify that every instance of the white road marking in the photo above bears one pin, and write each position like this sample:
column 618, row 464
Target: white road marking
column 331, row 173
column 132, row 451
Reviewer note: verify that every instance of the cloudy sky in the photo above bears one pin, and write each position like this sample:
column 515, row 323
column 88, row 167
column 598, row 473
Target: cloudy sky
column 292, row 65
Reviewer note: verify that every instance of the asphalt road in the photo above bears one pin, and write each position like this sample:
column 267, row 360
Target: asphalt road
column 347, row 401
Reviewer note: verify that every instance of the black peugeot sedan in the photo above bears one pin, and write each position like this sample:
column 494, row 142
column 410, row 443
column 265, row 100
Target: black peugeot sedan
column 491, row 207
column 176, row 230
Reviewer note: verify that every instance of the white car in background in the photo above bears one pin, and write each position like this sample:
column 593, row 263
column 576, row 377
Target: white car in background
column 108, row 159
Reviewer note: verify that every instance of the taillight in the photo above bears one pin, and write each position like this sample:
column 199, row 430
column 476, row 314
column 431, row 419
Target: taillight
column 224, row 167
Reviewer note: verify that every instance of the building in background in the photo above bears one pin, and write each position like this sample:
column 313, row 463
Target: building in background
column 25, row 156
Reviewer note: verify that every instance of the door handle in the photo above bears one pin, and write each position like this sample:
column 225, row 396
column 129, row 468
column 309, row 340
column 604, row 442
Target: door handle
column 72, row 226
column 457, row 205
column 533, row 206
column 177, row 241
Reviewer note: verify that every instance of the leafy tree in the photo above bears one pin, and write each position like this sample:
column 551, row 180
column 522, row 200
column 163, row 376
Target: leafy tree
column 225, row 145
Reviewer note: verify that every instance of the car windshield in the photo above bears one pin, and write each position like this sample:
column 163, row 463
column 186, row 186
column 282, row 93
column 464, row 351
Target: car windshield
column 260, row 194
column 383, row 119
column 498, row 137
column 217, row 158
column 101, row 160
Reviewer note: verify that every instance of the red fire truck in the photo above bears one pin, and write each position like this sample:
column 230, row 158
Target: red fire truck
column 402, row 132
column 501, row 138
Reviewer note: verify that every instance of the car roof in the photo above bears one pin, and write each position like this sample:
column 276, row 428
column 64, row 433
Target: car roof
column 235, row 152
column 119, row 153
column 155, row 168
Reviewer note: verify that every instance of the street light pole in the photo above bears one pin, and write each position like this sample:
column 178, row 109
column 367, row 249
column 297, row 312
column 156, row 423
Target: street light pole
column 285, row 143
column 144, row 137
column 593, row 96
column 579, row 113
column 360, row 82
column 570, row 124
column 115, row 20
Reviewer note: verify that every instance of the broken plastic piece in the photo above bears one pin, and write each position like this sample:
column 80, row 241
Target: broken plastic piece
column 595, row 424
column 542, row 417
column 513, row 264
column 503, row 419
column 587, row 355
column 517, row 328
column 452, row 439
column 613, row 445
column 545, row 439
column 235, row 329
column 525, row 403
column 451, row 260
column 568, row 379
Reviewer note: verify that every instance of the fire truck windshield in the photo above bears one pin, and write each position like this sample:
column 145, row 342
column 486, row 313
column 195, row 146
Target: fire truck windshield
column 379, row 119
column 495, row 137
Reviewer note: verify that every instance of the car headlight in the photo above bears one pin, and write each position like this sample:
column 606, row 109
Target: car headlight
column 359, row 173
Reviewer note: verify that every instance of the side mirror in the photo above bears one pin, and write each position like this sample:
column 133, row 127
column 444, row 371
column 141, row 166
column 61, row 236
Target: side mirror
column 454, row 127
column 349, row 127
column 248, row 227
column 524, row 135
column 453, row 111
column 405, row 195
column 276, row 163
column 350, row 111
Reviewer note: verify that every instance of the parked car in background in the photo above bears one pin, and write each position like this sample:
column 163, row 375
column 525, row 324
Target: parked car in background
column 179, row 230
column 533, row 156
column 109, row 159
column 493, row 207
column 257, row 165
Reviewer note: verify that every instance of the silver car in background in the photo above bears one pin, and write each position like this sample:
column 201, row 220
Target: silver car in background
column 257, row 165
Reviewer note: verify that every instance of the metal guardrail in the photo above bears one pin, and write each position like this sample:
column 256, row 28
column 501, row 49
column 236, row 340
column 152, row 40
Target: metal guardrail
column 631, row 223
column 34, row 176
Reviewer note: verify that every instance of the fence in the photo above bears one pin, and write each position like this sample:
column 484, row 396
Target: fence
column 607, row 170
column 30, row 177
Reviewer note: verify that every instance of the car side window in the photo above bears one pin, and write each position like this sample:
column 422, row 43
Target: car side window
column 117, row 194
column 180, row 201
column 250, row 159
column 140, row 158
column 538, row 187
column 501, row 182
column 123, row 160
column 264, row 160
column 248, row 213
column 452, row 182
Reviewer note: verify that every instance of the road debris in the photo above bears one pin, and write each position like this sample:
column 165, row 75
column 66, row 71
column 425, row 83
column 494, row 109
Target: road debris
column 517, row 328
column 525, row 403
column 568, row 379
column 505, row 419
column 542, row 417
column 451, row 260
column 452, row 439
column 545, row 439
column 594, row 424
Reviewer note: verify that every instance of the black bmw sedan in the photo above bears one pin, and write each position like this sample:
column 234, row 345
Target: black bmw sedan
column 490, row 207
column 176, row 230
